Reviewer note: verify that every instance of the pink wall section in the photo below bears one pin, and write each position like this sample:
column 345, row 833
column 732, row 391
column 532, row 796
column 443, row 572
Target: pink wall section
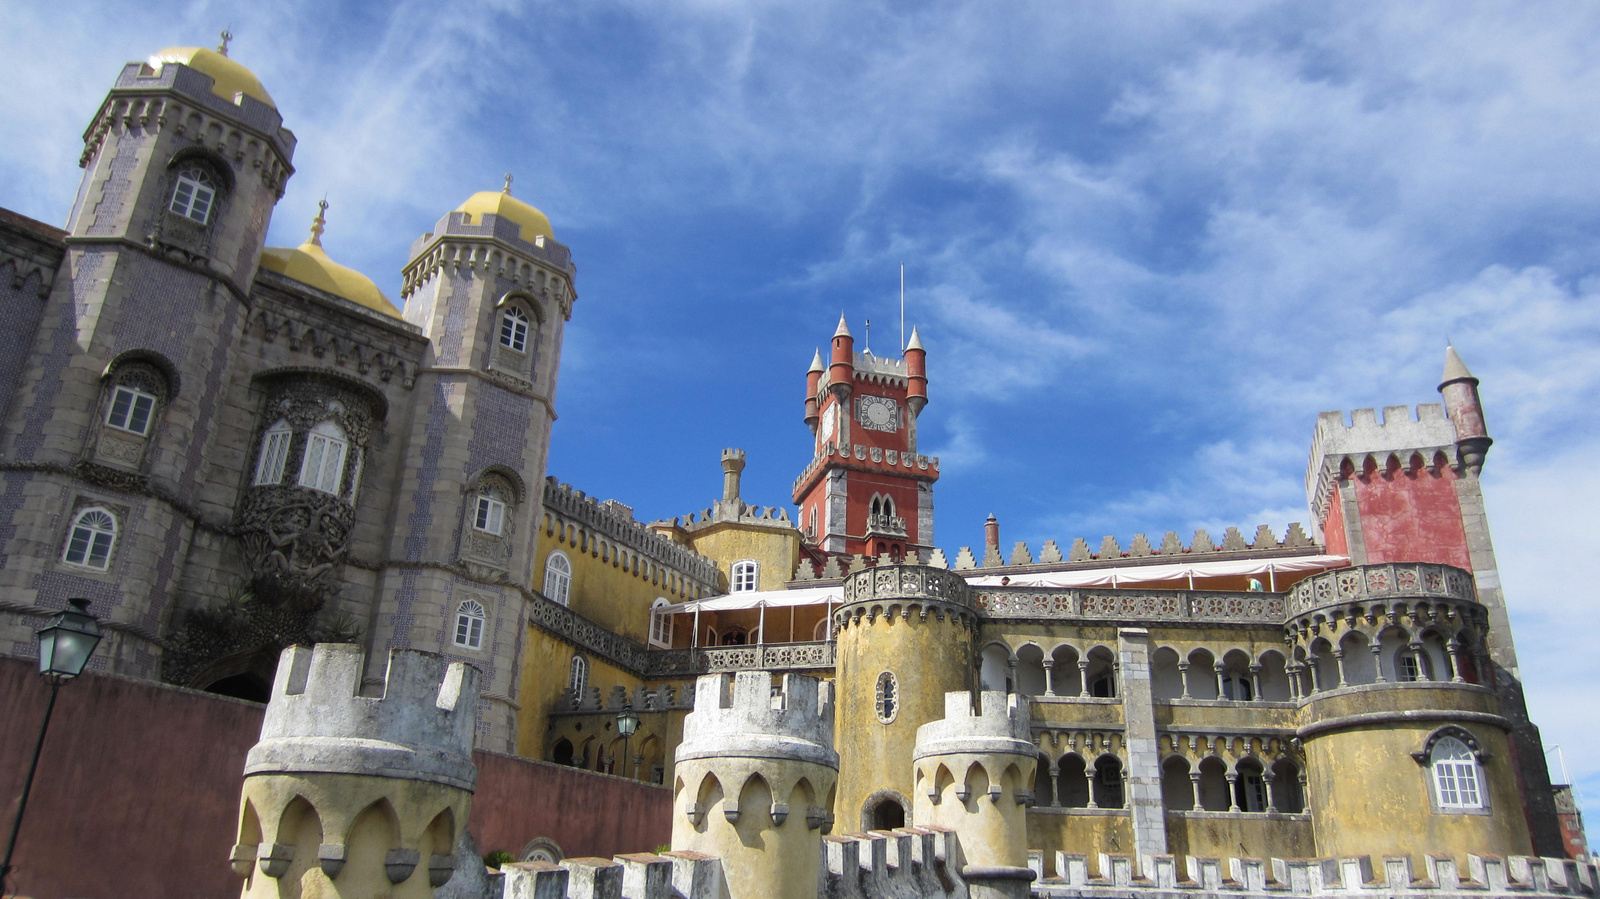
column 1412, row 517
column 138, row 787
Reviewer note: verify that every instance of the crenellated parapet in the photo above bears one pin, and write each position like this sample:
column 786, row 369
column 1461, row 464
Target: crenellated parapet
column 1363, row 443
column 888, row 591
column 1262, row 543
column 356, row 794
column 608, row 531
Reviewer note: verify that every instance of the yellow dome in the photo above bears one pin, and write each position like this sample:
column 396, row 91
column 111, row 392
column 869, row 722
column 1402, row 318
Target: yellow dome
column 229, row 78
column 498, row 202
column 308, row 264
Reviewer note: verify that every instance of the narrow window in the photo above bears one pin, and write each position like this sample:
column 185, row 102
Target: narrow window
column 578, row 680
column 1252, row 791
column 469, row 625
column 746, row 575
column 557, row 578
column 94, row 532
column 888, row 697
column 660, row 624
column 131, row 410
column 274, row 453
column 193, row 197
column 324, row 462
column 490, row 516
column 1411, row 666
column 514, row 329
column 1455, row 775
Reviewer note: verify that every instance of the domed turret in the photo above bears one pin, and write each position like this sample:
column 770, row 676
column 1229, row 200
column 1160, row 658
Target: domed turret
column 230, row 78
column 533, row 222
column 309, row 264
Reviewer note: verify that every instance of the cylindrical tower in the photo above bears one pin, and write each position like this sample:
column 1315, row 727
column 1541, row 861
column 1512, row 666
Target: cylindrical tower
column 905, row 638
column 350, row 795
column 916, row 374
column 842, row 367
column 755, row 772
column 813, row 381
column 732, row 466
column 973, row 771
column 1460, row 392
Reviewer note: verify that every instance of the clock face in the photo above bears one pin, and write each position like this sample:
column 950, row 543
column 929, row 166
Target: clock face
column 879, row 413
column 827, row 423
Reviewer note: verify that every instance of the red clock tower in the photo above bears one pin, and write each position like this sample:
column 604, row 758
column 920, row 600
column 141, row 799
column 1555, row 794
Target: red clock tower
column 866, row 490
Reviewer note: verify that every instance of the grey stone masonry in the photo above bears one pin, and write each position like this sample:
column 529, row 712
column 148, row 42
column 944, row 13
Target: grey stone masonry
column 1144, row 758
column 739, row 715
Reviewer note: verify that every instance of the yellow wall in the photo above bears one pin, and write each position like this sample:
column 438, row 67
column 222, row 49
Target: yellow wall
column 1080, row 831
column 1214, row 835
column 601, row 590
column 778, row 550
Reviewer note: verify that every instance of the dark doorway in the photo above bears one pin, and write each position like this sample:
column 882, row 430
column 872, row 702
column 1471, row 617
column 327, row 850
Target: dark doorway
column 889, row 815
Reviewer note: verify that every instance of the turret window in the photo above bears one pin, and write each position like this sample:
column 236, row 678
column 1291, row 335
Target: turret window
column 469, row 625
column 323, row 465
column 745, row 576
column 578, row 678
column 194, row 196
column 131, row 410
column 1455, row 775
column 490, row 515
column 274, row 453
column 887, row 699
column 557, row 578
column 514, row 330
column 94, row 533
column 660, row 624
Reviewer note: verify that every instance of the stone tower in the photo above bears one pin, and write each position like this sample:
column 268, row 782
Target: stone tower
column 974, row 771
column 113, row 421
column 491, row 290
column 867, row 491
column 356, row 795
column 905, row 637
column 755, row 776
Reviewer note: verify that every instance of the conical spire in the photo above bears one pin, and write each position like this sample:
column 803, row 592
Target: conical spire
column 843, row 330
column 816, row 362
column 1454, row 368
column 318, row 224
column 916, row 341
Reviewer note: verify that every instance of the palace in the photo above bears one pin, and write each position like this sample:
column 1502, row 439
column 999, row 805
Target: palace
column 239, row 452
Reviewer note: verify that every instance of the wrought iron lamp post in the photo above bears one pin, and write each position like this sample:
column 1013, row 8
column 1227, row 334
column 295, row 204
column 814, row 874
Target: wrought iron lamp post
column 627, row 724
column 65, row 644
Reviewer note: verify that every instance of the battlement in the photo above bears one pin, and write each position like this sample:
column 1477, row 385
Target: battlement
column 1263, row 541
column 868, row 458
column 739, row 714
column 720, row 512
column 670, row 875
column 1335, row 439
column 922, row 862
column 610, row 521
column 1255, row 878
column 998, row 724
column 420, row 728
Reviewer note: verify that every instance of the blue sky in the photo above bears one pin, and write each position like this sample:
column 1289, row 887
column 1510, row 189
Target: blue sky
column 1145, row 244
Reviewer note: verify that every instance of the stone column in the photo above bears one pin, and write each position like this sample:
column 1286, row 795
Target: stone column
column 1377, row 661
column 1183, row 676
column 1194, row 781
column 1144, row 758
column 1424, row 663
column 1338, row 656
column 1049, row 674
column 1233, row 791
column 1255, row 683
column 1216, row 668
column 1083, row 678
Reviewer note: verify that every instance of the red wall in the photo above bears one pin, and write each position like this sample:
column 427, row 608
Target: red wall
column 138, row 787
column 1337, row 541
column 1412, row 516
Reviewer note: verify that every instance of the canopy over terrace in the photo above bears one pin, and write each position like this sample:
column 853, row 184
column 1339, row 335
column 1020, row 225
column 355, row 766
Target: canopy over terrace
column 745, row 616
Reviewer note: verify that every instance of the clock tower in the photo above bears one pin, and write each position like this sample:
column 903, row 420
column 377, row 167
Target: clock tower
column 867, row 491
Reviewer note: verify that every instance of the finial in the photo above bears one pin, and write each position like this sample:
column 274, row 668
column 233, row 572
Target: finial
column 318, row 224
column 507, row 188
column 916, row 341
column 866, row 339
column 843, row 330
column 223, row 47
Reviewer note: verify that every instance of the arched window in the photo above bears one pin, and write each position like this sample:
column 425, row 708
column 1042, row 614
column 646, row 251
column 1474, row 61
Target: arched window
column 822, row 631
column 323, row 465
column 514, row 329
column 94, row 533
column 746, row 575
column 132, row 410
column 734, row 636
column 274, row 453
column 193, row 196
column 1455, row 775
column 888, row 697
column 469, row 625
column 1250, row 790
column 557, row 577
column 1411, row 665
column 489, row 515
column 660, row 623
column 578, row 680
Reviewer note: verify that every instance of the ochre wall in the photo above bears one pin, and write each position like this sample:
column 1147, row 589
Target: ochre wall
column 1412, row 517
column 1220, row 835
column 602, row 591
column 140, row 780
column 777, row 551
column 1080, row 831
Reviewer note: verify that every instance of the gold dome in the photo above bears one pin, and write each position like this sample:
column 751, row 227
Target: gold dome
column 502, row 203
column 229, row 78
column 309, row 264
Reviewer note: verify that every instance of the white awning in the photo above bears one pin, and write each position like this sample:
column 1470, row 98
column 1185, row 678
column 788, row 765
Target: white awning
column 1177, row 571
column 772, row 599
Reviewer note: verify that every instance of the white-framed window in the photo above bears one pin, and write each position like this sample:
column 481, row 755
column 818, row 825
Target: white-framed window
column 1455, row 775
column 194, row 196
column 490, row 515
column 469, row 625
column 131, row 410
column 887, row 698
column 557, row 577
column 1252, row 791
column 89, row 543
column 578, row 679
column 660, row 624
column 822, row 631
column 514, row 329
column 274, row 453
column 745, row 576
column 323, row 464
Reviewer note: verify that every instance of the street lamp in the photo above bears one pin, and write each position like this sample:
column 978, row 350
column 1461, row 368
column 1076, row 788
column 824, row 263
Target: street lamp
column 65, row 644
column 627, row 724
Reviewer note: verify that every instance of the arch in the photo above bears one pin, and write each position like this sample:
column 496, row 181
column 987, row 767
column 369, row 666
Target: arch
column 1250, row 785
column 301, row 827
column 513, row 482
column 441, row 833
column 1044, row 792
column 886, row 697
column 1166, row 680
column 1101, row 673
column 558, row 577
column 1455, row 771
column 163, row 366
column 1073, row 781
column 249, row 835
column 1177, row 790
column 1324, row 665
column 995, row 668
column 1274, row 677
column 1214, row 785
column 527, row 301
column 1066, row 679
column 91, row 539
column 1359, row 664
column 273, row 453
column 322, row 465
column 1287, row 796
column 470, row 617
column 1201, row 677
column 1107, row 786
column 660, row 623
column 373, row 832
column 542, row 849
column 1237, row 683
column 885, row 810
column 515, row 323
column 561, row 753
column 1030, row 670
column 578, row 677
column 204, row 157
